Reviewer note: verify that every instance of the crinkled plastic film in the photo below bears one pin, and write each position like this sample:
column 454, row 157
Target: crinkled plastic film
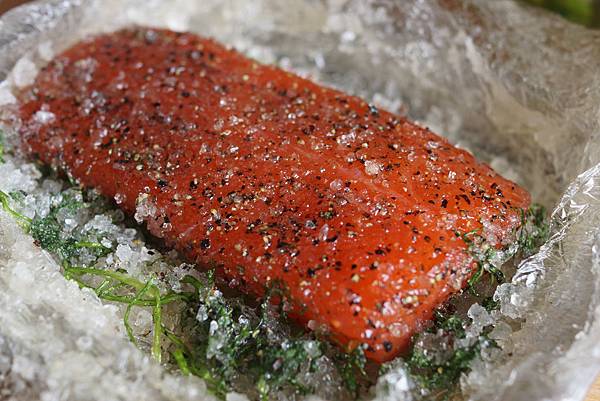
column 517, row 86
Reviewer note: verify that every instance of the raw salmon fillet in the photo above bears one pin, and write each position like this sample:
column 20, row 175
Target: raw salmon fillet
column 269, row 177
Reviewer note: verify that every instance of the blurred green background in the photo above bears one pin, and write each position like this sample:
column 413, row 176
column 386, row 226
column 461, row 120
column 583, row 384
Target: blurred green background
column 585, row 12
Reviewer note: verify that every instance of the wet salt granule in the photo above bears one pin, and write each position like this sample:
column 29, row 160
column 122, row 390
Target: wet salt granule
column 44, row 117
column 24, row 73
column 372, row 167
column 6, row 96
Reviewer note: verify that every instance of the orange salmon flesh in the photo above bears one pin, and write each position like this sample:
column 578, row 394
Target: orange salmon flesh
column 272, row 178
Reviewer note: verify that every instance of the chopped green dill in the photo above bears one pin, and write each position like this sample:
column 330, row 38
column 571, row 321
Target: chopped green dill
column 352, row 369
column 434, row 375
column 490, row 304
column 48, row 232
column 485, row 256
column 438, row 357
column 448, row 322
column 228, row 341
column 531, row 234
column 282, row 365
column 534, row 229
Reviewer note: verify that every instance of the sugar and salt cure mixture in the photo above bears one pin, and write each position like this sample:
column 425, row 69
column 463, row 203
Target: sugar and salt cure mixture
column 358, row 215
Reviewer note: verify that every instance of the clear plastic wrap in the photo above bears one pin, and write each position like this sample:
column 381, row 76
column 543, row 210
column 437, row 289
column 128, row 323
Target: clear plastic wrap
column 518, row 87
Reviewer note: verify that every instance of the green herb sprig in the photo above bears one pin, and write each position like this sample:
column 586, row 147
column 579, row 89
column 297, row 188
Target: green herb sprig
column 535, row 229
